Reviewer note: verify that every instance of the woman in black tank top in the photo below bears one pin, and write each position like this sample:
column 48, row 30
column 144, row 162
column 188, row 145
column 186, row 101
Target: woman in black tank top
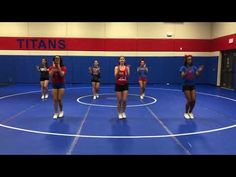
column 44, row 78
column 94, row 70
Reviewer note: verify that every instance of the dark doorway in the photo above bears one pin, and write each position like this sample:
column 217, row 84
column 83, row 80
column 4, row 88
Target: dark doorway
column 228, row 69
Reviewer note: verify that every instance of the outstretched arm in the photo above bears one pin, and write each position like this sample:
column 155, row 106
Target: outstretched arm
column 138, row 69
column 146, row 68
column 90, row 70
column 37, row 67
column 116, row 71
column 199, row 70
column 128, row 70
column 183, row 74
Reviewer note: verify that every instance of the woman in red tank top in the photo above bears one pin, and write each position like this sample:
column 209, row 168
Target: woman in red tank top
column 57, row 72
column 121, row 74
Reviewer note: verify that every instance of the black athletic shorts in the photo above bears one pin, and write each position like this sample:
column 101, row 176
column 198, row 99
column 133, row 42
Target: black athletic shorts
column 95, row 79
column 58, row 85
column 44, row 78
column 121, row 88
column 188, row 87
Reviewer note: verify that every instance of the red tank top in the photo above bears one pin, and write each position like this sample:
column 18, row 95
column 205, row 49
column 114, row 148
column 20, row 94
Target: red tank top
column 122, row 76
column 56, row 78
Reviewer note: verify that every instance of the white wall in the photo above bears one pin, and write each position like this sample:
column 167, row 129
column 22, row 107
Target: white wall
column 86, row 30
column 13, row 29
column 178, row 30
column 48, row 29
column 223, row 28
column 193, row 30
column 186, row 30
column 107, row 30
column 155, row 30
column 121, row 30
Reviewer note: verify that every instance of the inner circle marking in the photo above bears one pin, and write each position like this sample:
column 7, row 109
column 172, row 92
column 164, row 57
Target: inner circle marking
column 114, row 106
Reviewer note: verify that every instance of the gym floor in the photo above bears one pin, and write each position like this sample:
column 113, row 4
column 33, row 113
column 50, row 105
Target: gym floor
column 154, row 125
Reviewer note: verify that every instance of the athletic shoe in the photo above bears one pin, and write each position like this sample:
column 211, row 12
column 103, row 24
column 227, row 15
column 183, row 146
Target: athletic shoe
column 94, row 97
column 46, row 96
column 191, row 115
column 55, row 115
column 120, row 116
column 141, row 97
column 124, row 115
column 186, row 116
column 61, row 114
column 97, row 96
column 42, row 97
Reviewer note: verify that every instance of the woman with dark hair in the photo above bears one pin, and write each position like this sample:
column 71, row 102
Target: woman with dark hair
column 189, row 72
column 142, row 77
column 57, row 71
column 95, row 74
column 121, row 73
column 44, row 77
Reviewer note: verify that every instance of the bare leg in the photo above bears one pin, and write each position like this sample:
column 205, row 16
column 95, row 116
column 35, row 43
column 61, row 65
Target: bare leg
column 60, row 98
column 94, row 88
column 42, row 87
column 119, row 101
column 46, row 87
column 124, row 100
column 193, row 100
column 188, row 98
column 55, row 99
column 141, row 87
column 97, row 87
column 144, row 86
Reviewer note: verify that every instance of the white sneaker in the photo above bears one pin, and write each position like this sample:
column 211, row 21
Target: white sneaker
column 191, row 115
column 94, row 97
column 61, row 114
column 46, row 96
column 120, row 116
column 124, row 115
column 42, row 97
column 55, row 115
column 141, row 97
column 97, row 96
column 186, row 116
